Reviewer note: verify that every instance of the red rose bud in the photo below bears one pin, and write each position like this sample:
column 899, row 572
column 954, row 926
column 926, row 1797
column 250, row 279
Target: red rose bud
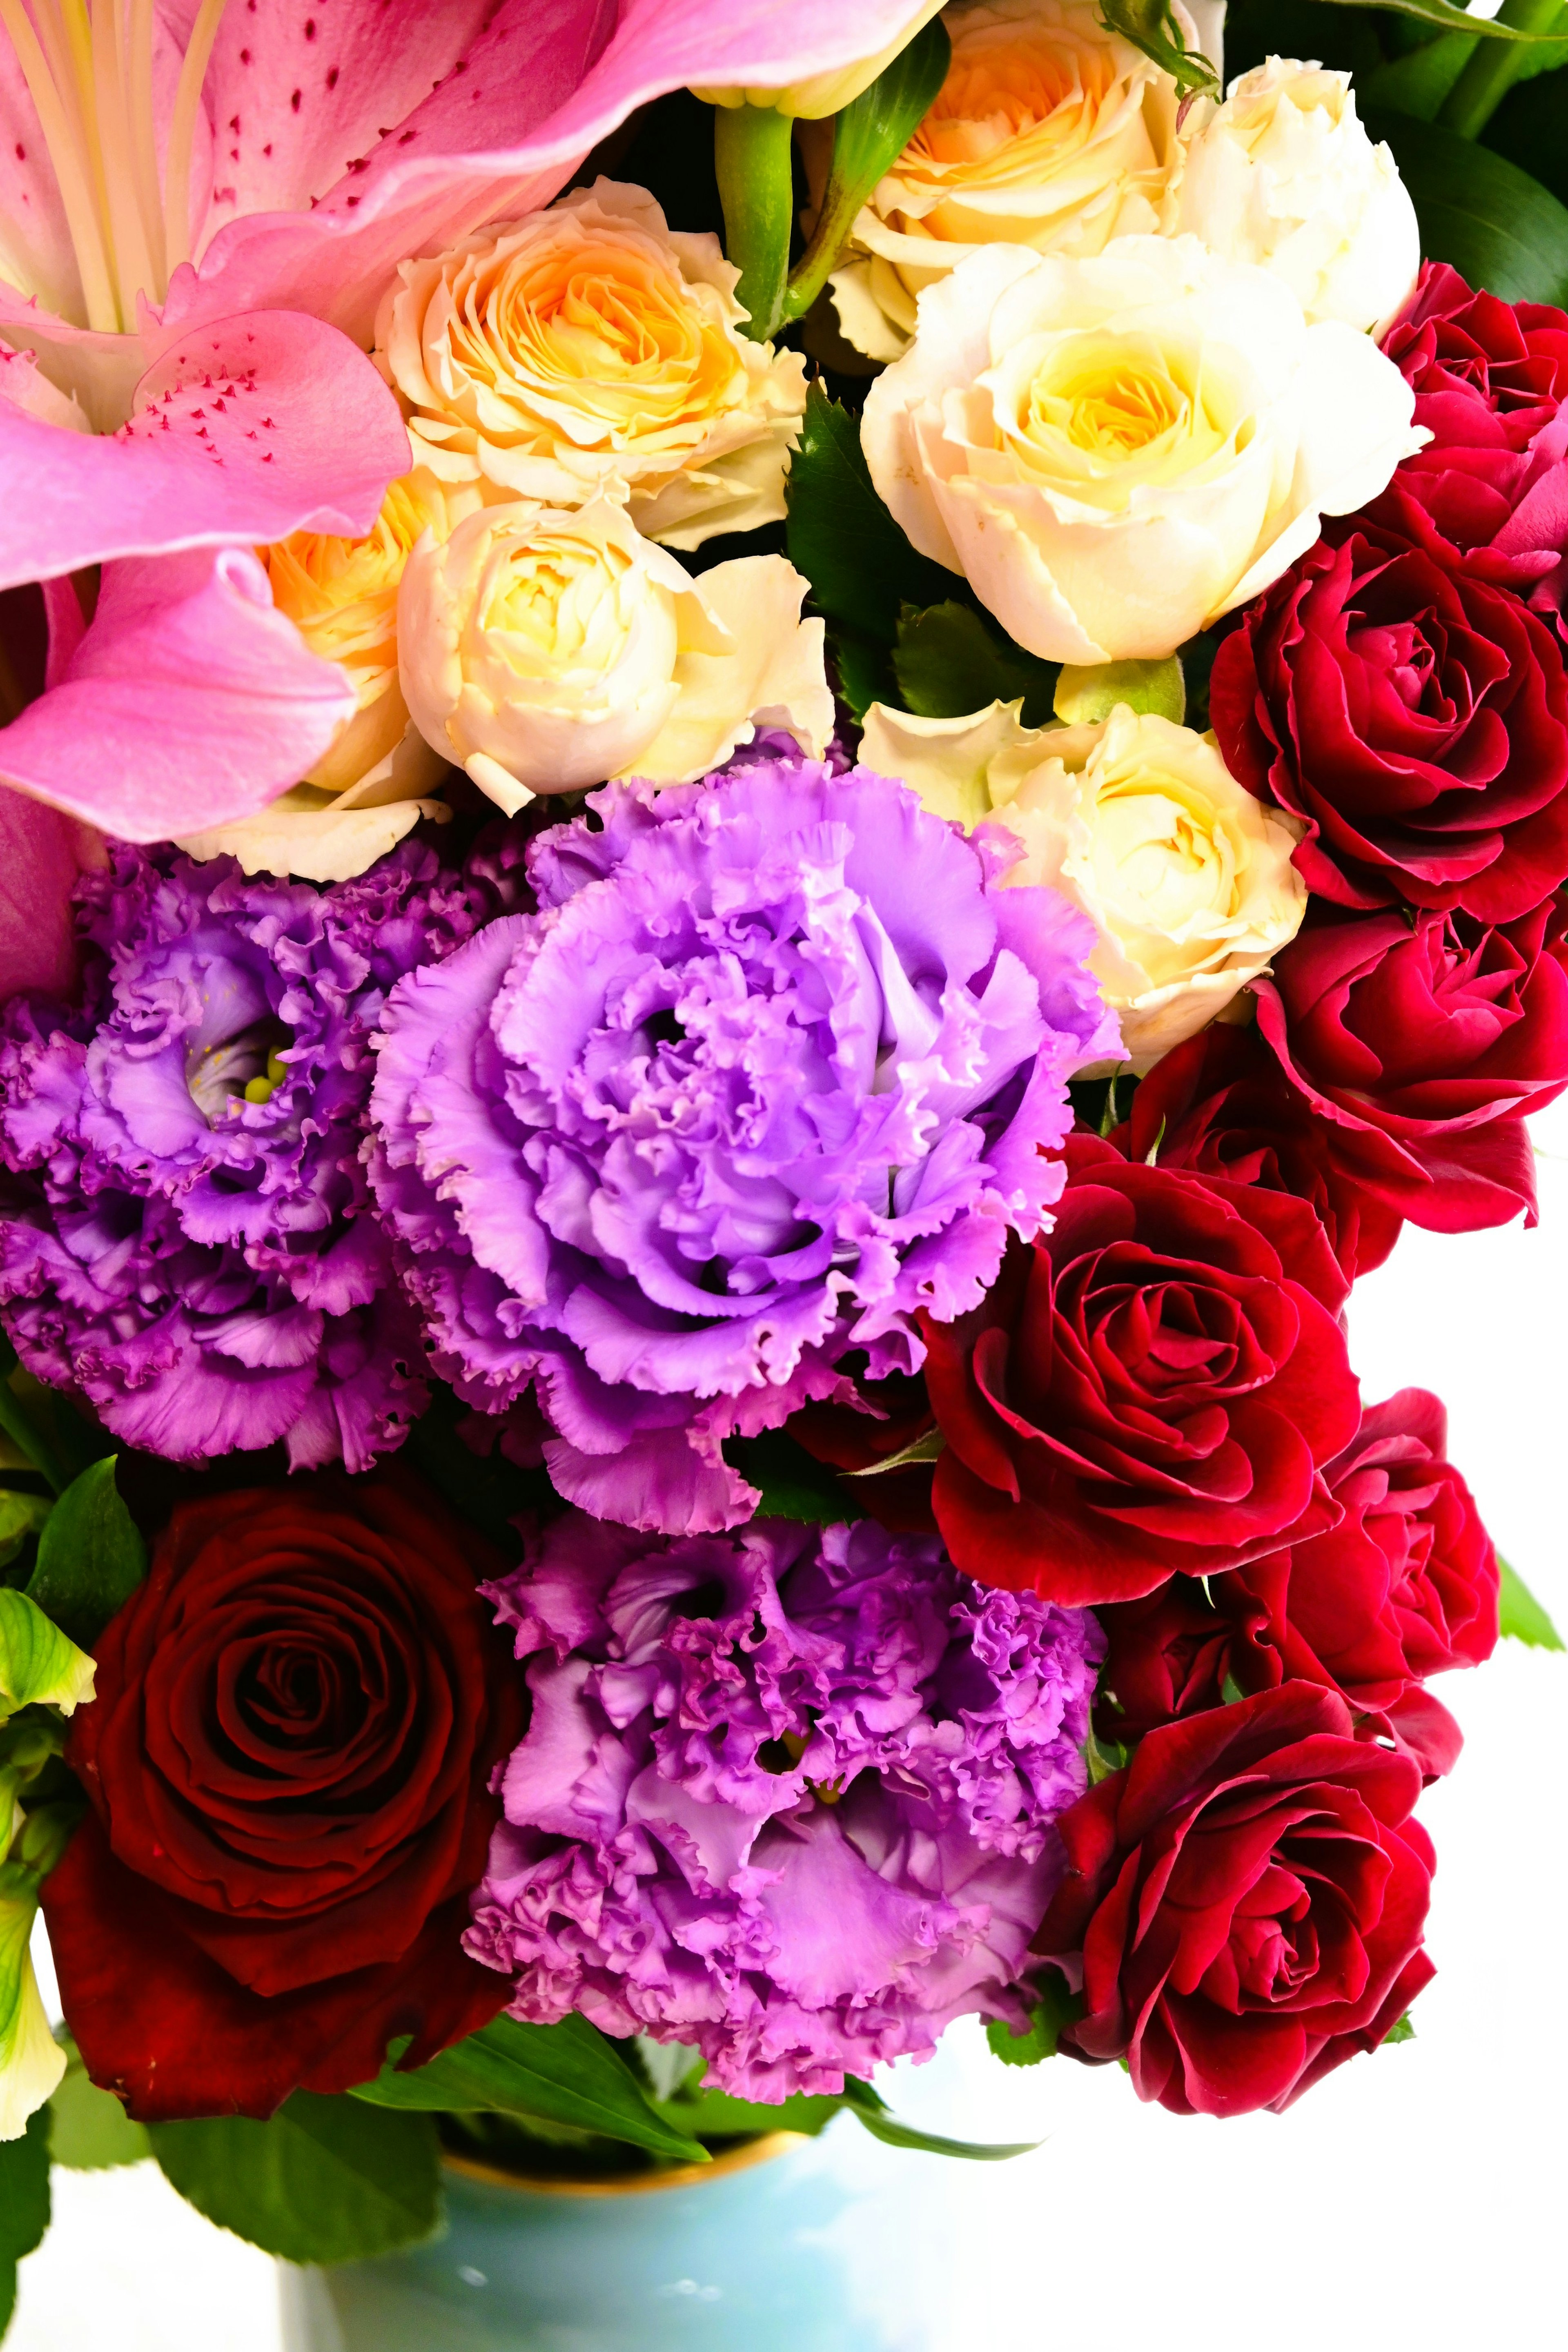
column 1249, row 1898
column 1406, row 1586
column 1492, row 486
column 288, row 1764
column 1423, row 1042
column 1156, row 1383
column 1415, row 719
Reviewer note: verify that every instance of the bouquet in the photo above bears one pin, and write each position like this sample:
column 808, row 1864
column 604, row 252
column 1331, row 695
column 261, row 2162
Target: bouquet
column 775, row 777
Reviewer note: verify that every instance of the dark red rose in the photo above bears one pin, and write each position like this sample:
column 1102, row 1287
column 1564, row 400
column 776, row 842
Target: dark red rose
column 1221, row 1105
column 1155, row 1384
column 1424, row 1041
column 288, row 1764
column 1491, row 385
column 1249, row 1897
column 1414, row 718
column 1406, row 1586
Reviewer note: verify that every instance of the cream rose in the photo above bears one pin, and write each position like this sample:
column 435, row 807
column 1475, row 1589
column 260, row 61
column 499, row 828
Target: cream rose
column 545, row 648
column 1186, row 878
column 589, row 347
column 1050, row 132
column 1284, row 175
column 372, row 784
column 1117, row 451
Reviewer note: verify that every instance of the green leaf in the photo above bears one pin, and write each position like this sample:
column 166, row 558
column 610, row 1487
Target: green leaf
column 714, row 2115
column 91, row 1557
column 1418, row 82
column 21, row 1515
column 873, row 2111
column 92, row 2132
column 1403, row 2032
column 39, row 1666
column 1448, row 19
column 1521, row 1617
column 915, row 1455
column 24, row 2204
column 862, row 568
column 326, row 2181
column 793, row 1484
column 1528, row 128
column 948, row 662
column 1104, row 1758
column 567, row 2073
column 1498, row 227
column 1055, row 2007
column 1084, row 697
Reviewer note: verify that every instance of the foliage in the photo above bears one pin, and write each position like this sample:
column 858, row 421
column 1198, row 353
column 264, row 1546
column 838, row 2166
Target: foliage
column 793, row 1485
column 91, row 1557
column 1055, row 2007
column 1521, row 1617
column 1498, row 227
column 24, row 2204
column 92, row 2132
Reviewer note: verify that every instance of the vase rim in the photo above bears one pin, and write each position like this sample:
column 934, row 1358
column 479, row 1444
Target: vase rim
column 637, row 2184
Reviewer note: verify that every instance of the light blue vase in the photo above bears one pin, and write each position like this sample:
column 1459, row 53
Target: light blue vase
column 741, row 2256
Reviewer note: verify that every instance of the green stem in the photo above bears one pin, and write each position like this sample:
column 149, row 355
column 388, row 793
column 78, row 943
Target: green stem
column 755, row 161
column 1494, row 68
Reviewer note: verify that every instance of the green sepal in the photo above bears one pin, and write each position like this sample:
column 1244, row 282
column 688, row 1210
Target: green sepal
column 326, row 2181
column 753, row 160
column 566, row 2073
column 1055, row 2007
column 1402, row 2031
column 874, row 2112
column 1521, row 1617
column 1151, row 25
column 949, row 661
column 91, row 1557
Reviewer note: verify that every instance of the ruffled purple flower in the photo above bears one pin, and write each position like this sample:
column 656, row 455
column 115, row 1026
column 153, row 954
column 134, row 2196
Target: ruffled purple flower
column 774, row 1068
column 787, row 1795
column 196, row 1251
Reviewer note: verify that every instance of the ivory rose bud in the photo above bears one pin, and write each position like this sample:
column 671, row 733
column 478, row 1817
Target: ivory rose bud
column 1117, row 451
column 1284, row 175
column 827, row 93
column 590, row 346
column 1186, row 876
column 544, row 649
column 1050, row 130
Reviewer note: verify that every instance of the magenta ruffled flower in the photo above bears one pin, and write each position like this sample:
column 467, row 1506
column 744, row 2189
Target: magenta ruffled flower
column 774, row 1067
column 787, row 1795
column 195, row 1251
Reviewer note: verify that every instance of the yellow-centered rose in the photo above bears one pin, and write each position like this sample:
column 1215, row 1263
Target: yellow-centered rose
column 588, row 350
column 1186, row 878
column 1050, row 132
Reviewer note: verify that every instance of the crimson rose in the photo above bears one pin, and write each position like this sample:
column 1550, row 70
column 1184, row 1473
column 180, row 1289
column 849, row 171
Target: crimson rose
column 1491, row 387
column 1249, row 1897
column 1414, row 718
column 1406, row 1586
column 1156, row 1383
column 1423, row 1042
column 288, row 1763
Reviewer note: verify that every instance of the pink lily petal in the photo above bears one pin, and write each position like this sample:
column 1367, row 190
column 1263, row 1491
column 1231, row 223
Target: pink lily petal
column 41, row 854
column 190, row 702
column 246, row 429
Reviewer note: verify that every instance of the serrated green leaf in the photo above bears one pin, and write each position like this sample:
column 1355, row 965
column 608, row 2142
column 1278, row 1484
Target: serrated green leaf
column 1521, row 1617
column 1056, row 2006
column 874, row 2112
column 793, row 1484
column 948, row 662
column 91, row 1557
column 326, row 2181
column 92, row 2132
column 567, row 2073
column 862, row 569
column 24, row 2204
column 1498, row 227
column 39, row 1664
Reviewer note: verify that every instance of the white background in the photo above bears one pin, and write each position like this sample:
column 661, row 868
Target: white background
column 1415, row 2199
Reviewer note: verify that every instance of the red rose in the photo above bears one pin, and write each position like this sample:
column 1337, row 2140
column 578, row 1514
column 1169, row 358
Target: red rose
column 1221, row 1105
column 1156, row 1383
column 1248, row 1897
column 1406, row 1586
column 1414, row 718
column 1423, row 1042
column 288, row 1764
column 1491, row 385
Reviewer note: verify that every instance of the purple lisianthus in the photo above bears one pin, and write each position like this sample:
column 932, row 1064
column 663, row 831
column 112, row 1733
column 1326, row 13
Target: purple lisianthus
column 192, row 1245
column 774, row 1067
column 788, row 1795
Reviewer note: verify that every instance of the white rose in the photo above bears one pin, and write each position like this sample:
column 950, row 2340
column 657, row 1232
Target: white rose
column 1284, row 175
column 1117, row 451
column 542, row 649
column 1186, row 878
column 1050, row 130
column 588, row 346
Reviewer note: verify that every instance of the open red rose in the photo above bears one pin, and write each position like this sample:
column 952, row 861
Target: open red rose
column 1414, row 718
column 1423, row 1042
column 288, row 1763
column 1155, row 1384
column 1249, row 1897
column 1406, row 1586
column 1491, row 387
column 1221, row 1104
